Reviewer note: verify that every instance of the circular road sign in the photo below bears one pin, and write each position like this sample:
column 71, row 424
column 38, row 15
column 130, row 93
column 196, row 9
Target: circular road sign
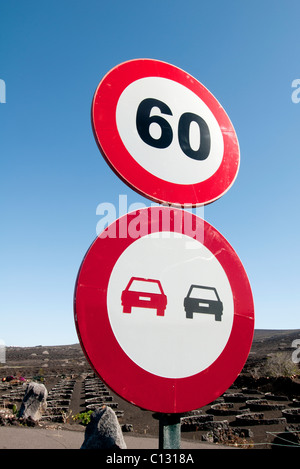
column 164, row 133
column 164, row 310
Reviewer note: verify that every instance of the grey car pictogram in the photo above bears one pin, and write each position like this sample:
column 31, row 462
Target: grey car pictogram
column 202, row 299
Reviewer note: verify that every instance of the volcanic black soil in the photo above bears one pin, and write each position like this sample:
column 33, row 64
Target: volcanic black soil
column 260, row 410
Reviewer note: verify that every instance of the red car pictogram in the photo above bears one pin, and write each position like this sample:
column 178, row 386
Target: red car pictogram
column 144, row 293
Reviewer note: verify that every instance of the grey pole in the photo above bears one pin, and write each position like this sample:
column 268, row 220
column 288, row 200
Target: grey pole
column 169, row 431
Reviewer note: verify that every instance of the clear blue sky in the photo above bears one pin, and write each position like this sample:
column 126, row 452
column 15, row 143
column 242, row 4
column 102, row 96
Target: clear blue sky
column 52, row 57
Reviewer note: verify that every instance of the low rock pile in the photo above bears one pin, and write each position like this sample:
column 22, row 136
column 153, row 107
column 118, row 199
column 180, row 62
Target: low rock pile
column 103, row 431
column 34, row 402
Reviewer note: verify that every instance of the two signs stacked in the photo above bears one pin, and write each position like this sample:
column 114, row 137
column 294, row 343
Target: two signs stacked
column 163, row 306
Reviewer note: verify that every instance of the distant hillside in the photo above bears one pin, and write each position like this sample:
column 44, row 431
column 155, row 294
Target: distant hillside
column 265, row 342
column 268, row 342
column 260, row 334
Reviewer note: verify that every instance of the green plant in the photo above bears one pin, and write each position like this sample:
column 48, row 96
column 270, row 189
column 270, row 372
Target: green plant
column 83, row 417
column 280, row 364
column 66, row 416
column 14, row 409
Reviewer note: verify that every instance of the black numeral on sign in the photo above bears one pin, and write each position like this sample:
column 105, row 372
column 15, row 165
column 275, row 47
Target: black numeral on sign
column 144, row 121
column 184, row 136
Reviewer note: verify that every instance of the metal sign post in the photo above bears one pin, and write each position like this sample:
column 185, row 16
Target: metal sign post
column 169, row 431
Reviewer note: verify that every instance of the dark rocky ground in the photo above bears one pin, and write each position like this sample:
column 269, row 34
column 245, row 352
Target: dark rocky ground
column 260, row 410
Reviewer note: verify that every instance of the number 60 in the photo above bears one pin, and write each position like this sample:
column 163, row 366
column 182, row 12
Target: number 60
column 144, row 120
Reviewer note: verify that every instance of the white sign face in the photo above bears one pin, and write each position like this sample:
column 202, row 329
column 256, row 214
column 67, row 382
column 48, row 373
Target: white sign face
column 169, row 163
column 170, row 345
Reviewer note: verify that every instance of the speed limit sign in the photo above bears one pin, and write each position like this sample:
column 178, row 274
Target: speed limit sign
column 164, row 133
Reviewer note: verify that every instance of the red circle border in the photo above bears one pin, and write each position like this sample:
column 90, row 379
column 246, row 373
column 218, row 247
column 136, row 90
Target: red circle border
column 116, row 369
column 103, row 116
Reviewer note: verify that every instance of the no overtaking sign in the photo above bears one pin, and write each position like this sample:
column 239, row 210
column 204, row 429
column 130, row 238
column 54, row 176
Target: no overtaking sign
column 168, row 332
